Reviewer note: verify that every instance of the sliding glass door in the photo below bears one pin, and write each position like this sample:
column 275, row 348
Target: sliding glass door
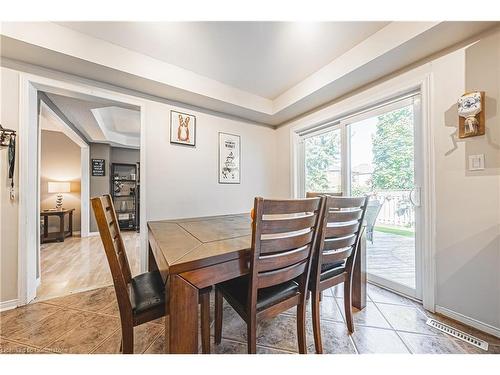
column 381, row 164
column 373, row 153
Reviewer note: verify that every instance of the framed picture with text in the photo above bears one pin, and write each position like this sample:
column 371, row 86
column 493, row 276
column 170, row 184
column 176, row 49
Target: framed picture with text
column 182, row 128
column 229, row 158
column 98, row 167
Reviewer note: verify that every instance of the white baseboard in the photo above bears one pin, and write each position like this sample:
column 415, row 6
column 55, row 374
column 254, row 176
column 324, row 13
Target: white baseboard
column 492, row 330
column 8, row 305
column 92, row 234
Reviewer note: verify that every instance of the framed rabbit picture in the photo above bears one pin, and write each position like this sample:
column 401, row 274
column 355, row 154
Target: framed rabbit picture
column 229, row 159
column 182, row 128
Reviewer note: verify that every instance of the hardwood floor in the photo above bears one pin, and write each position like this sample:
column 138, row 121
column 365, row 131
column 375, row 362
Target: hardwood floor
column 88, row 322
column 79, row 264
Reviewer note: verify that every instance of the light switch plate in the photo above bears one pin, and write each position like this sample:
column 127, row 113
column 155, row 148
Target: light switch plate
column 476, row 162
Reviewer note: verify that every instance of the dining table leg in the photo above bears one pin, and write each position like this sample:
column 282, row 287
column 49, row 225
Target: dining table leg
column 183, row 317
column 152, row 266
column 359, row 275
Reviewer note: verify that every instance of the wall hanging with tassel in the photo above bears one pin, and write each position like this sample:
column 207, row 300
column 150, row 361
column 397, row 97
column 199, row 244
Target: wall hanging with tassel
column 8, row 139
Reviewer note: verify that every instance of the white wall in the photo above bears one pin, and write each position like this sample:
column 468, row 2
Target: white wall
column 9, row 117
column 180, row 181
column 467, row 203
column 60, row 161
column 183, row 181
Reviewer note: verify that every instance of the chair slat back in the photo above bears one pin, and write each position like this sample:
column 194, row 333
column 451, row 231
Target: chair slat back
column 114, row 247
column 283, row 237
column 341, row 228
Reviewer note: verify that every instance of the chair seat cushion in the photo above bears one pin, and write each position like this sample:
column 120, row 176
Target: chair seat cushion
column 237, row 291
column 147, row 291
column 331, row 269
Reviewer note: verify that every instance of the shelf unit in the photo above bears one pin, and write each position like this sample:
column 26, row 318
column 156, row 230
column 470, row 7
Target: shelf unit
column 125, row 190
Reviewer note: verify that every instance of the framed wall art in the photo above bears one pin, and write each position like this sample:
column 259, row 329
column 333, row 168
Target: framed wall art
column 98, row 167
column 182, row 128
column 229, row 158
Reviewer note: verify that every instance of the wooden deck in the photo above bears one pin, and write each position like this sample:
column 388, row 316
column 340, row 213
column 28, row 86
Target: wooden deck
column 392, row 257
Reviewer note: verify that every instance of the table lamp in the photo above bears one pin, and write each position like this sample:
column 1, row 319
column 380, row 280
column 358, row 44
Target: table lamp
column 59, row 188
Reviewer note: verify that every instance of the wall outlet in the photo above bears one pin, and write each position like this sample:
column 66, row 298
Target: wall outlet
column 476, row 162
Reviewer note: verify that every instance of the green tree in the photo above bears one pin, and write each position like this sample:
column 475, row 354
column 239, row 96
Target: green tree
column 322, row 155
column 393, row 150
column 359, row 191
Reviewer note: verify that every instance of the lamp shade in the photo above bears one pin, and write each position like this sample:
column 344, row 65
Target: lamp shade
column 59, row 187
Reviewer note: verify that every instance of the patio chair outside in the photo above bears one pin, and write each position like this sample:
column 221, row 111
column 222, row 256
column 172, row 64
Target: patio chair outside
column 372, row 211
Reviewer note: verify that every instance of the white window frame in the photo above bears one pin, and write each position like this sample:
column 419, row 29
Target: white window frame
column 418, row 80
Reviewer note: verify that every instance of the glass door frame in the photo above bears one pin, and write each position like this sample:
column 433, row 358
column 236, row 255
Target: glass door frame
column 415, row 101
column 413, row 98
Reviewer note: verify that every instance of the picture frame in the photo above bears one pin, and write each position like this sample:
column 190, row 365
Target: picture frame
column 98, row 167
column 182, row 128
column 229, row 158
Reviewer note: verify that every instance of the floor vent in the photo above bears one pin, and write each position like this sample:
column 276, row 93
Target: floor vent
column 481, row 344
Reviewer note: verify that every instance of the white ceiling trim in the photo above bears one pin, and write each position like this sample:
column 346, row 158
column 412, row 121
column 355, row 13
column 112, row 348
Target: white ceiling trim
column 52, row 122
column 393, row 47
column 383, row 41
column 111, row 136
column 73, row 43
column 64, row 40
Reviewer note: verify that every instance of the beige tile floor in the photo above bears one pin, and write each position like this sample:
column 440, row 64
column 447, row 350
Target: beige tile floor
column 80, row 264
column 88, row 322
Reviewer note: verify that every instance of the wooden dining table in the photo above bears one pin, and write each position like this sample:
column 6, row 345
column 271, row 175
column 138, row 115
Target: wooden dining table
column 195, row 253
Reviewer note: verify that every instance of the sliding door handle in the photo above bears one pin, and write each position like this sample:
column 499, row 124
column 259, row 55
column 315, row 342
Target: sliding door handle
column 414, row 197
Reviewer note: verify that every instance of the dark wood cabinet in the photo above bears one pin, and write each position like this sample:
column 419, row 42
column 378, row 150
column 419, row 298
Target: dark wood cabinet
column 125, row 193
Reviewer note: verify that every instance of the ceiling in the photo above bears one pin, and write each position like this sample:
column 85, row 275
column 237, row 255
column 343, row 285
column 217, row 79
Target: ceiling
column 100, row 121
column 49, row 121
column 262, row 72
column 263, row 58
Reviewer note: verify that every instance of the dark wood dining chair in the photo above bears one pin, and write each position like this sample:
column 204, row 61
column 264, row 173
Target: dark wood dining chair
column 314, row 194
column 141, row 298
column 333, row 261
column 284, row 234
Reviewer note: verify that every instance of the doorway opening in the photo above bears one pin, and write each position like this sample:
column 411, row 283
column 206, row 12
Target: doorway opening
column 87, row 146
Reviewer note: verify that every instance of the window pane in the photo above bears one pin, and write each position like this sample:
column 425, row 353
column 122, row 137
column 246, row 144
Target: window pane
column 382, row 153
column 322, row 162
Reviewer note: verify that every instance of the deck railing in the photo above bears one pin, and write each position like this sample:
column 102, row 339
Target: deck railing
column 397, row 209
